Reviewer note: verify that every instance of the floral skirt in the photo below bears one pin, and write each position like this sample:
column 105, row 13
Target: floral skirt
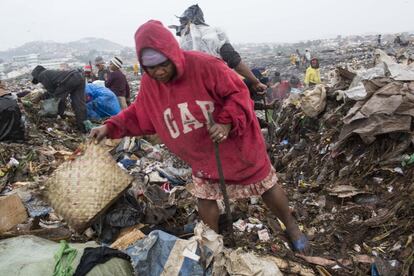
column 202, row 188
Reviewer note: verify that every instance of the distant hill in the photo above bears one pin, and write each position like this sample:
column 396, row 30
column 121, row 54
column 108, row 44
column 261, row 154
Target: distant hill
column 98, row 44
column 51, row 49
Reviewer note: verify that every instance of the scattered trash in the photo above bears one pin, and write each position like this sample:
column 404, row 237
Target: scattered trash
column 344, row 191
column 12, row 212
column 240, row 225
column 238, row 262
column 161, row 253
column 407, row 160
column 284, row 142
column 344, row 262
column 13, row 163
column 17, row 258
column 366, row 199
column 125, row 212
column 313, row 101
column 263, row 235
column 357, row 248
column 343, row 154
column 127, row 163
column 374, row 270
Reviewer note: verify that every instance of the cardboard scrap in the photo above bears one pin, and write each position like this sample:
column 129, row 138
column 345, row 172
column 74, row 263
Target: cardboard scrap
column 12, row 212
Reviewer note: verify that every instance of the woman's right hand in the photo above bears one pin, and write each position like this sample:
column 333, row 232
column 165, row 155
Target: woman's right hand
column 99, row 133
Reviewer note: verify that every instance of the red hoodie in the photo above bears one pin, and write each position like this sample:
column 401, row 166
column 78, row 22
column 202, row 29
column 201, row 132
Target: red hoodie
column 178, row 112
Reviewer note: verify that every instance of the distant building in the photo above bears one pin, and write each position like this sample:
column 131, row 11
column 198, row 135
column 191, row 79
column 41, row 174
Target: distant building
column 56, row 63
column 26, row 61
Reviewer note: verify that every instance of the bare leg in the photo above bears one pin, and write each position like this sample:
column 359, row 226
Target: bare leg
column 209, row 213
column 275, row 198
column 77, row 97
column 122, row 102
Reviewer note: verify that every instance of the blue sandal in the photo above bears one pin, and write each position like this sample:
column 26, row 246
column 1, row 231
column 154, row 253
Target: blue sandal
column 301, row 244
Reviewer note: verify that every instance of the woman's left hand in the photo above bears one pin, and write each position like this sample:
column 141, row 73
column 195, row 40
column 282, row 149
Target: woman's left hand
column 219, row 132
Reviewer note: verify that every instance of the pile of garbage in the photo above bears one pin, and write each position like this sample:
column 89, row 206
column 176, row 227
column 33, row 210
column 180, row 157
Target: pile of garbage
column 344, row 153
column 25, row 164
column 157, row 203
column 155, row 214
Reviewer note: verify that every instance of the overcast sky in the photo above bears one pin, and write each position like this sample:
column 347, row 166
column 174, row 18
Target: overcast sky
column 22, row 21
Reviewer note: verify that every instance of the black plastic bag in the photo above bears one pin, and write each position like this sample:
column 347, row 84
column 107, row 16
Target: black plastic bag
column 193, row 14
column 127, row 211
column 11, row 127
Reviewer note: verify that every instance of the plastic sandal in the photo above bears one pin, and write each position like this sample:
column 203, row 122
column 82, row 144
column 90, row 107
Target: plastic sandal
column 301, row 244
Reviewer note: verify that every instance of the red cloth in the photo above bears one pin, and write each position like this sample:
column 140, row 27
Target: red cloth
column 177, row 112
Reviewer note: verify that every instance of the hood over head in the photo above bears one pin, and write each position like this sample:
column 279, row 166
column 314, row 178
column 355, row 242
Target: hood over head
column 36, row 72
column 154, row 35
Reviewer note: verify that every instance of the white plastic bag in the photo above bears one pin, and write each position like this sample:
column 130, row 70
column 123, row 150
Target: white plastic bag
column 204, row 39
column 313, row 101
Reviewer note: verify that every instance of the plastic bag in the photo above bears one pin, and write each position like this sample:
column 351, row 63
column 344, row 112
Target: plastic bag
column 313, row 101
column 163, row 254
column 203, row 38
column 127, row 211
column 50, row 107
column 11, row 127
column 237, row 262
column 192, row 14
column 17, row 258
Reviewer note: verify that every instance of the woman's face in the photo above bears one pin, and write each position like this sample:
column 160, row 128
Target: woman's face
column 163, row 72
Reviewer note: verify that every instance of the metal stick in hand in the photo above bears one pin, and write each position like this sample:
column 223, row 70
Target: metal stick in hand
column 265, row 108
column 223, row 184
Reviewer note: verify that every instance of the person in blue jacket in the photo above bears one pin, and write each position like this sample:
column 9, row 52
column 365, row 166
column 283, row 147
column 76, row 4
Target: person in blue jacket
column 101, row 102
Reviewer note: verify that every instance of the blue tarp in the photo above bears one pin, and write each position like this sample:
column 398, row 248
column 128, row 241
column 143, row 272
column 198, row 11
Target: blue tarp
column 159, row 253
column 103, row 102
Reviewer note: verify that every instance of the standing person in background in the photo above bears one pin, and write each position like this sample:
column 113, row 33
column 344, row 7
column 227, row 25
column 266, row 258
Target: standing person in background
column 293, row 59
column 258, row 98
column 379, row 40
column 118, row 83
column 198, row 36
column 297, row 62
column 306, row 58
column 102, row 69
column 313, row 74
column 136, row 69
column 87, row 74
column 280, row 88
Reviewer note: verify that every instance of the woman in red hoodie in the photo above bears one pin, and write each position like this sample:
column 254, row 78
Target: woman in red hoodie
column 178, row 91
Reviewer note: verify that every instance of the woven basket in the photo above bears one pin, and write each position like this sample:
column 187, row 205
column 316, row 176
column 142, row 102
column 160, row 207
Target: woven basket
column 81, row 189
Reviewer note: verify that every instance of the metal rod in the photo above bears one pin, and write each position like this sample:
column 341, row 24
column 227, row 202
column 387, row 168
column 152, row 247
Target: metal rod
column 265, row 108
column 223, row 184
